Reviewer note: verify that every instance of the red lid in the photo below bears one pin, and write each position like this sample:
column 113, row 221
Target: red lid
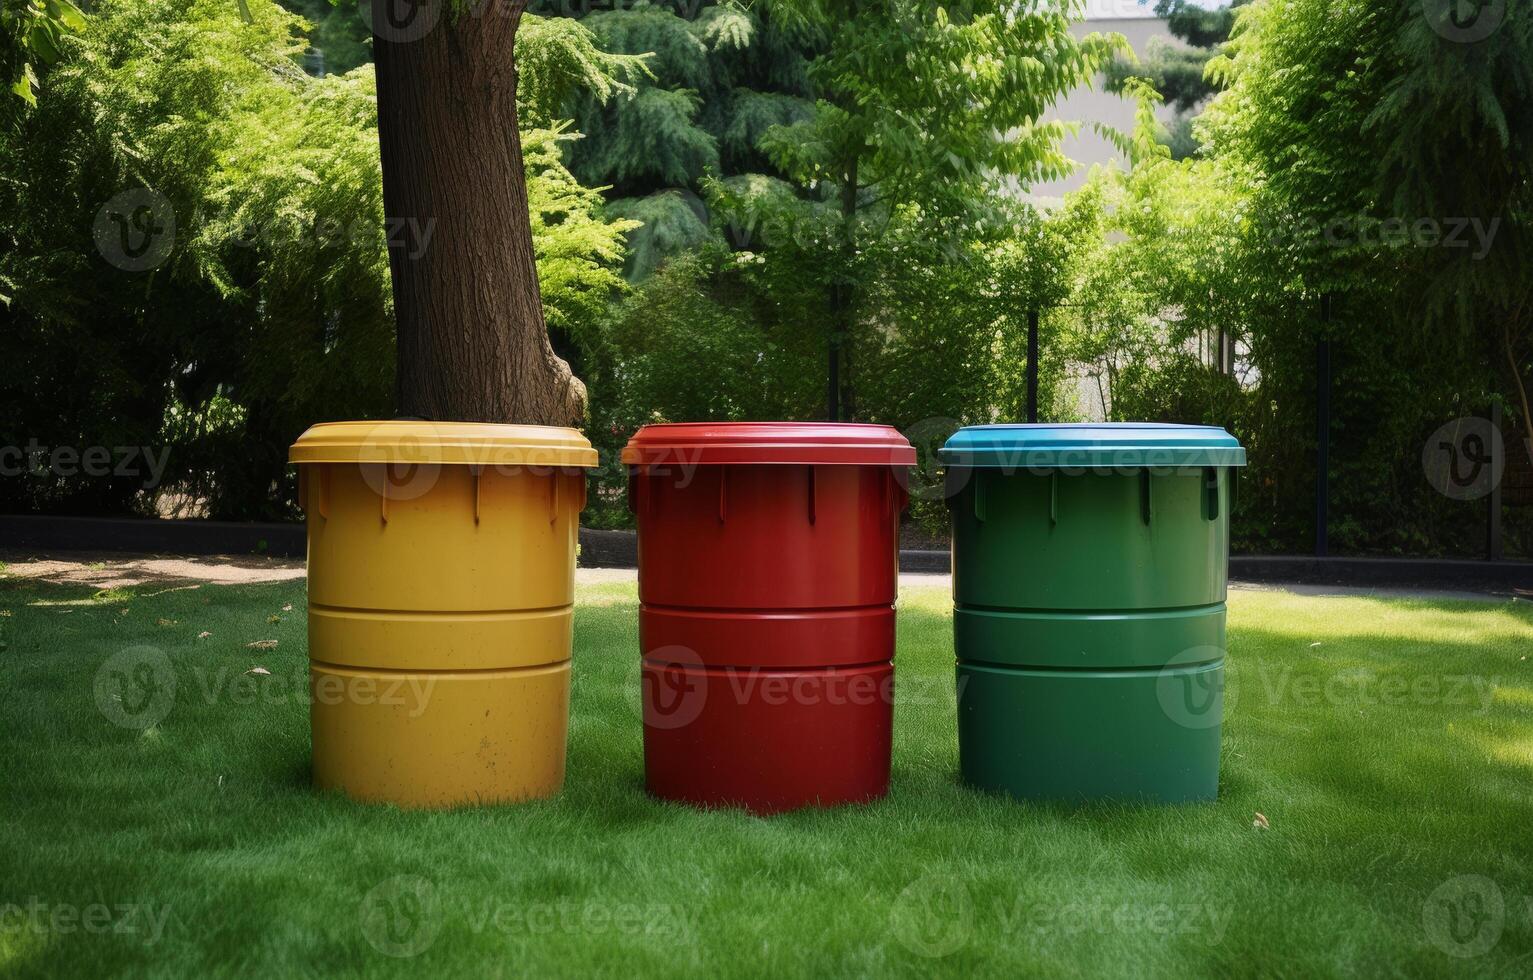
column 819, row 443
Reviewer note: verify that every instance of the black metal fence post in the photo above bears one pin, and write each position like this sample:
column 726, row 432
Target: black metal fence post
column 1323, row 429
column 1032, row 365
column 1493, row 517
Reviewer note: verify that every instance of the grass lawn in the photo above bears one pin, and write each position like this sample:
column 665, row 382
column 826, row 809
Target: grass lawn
column 1389, row 745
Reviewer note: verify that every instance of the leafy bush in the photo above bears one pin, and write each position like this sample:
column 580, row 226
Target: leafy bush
column 272, row 311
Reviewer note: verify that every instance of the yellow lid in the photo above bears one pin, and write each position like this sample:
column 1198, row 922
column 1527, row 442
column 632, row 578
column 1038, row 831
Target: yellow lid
column 448, row 443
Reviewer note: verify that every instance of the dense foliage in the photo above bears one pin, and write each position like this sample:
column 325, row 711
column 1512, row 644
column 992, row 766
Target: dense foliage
column 720, row 74
column 1178, row 68
column 1362, row 157
column 269, row 308
column 731, row 200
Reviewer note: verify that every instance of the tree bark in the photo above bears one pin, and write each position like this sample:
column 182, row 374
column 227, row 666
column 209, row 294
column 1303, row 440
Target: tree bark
column 472, row 343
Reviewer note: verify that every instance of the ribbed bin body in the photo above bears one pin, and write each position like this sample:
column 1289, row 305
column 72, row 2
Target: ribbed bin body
column 767, row 581
column 440, row 605
column 1089, row 618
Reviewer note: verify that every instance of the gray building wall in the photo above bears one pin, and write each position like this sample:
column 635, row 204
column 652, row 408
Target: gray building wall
column 1093, row 104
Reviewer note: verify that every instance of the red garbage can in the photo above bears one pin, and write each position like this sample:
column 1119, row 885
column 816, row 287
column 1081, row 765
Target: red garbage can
column 768, row 567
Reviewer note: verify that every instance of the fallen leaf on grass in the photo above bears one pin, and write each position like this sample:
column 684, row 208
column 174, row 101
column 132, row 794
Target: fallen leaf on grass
column 262, row 671
column 165, row 622
column 1260, row 823
column 204, row 635
column 274, row 620
column 262, row 645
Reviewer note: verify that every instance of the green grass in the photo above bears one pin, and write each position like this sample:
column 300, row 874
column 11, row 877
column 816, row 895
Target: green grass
column 1385, row 778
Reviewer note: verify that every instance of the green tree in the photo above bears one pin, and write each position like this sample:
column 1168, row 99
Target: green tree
column 339, row 39
column 270, row 309
column 721, row 74
column 1347, row 142
column 1179, row 71
column 32, row 37
column 922, row 115
column 1371, row 132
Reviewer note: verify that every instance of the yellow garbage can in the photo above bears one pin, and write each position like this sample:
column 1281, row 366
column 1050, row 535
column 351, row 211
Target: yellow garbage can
column 441, row 592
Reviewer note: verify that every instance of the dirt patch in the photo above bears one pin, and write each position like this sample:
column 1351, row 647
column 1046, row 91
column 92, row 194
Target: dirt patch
column 114, row 570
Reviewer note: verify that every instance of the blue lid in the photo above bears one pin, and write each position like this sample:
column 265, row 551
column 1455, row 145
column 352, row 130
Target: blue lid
column 1093, row 445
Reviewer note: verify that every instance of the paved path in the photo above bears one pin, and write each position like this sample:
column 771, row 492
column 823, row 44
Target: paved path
column 944, row 581
column 115, row 570
column 108, row 570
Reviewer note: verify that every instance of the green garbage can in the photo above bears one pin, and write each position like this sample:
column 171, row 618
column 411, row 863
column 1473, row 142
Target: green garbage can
column 1089, row 571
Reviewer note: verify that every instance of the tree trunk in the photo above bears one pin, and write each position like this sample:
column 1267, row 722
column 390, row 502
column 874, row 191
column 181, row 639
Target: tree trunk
column 472, row 343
